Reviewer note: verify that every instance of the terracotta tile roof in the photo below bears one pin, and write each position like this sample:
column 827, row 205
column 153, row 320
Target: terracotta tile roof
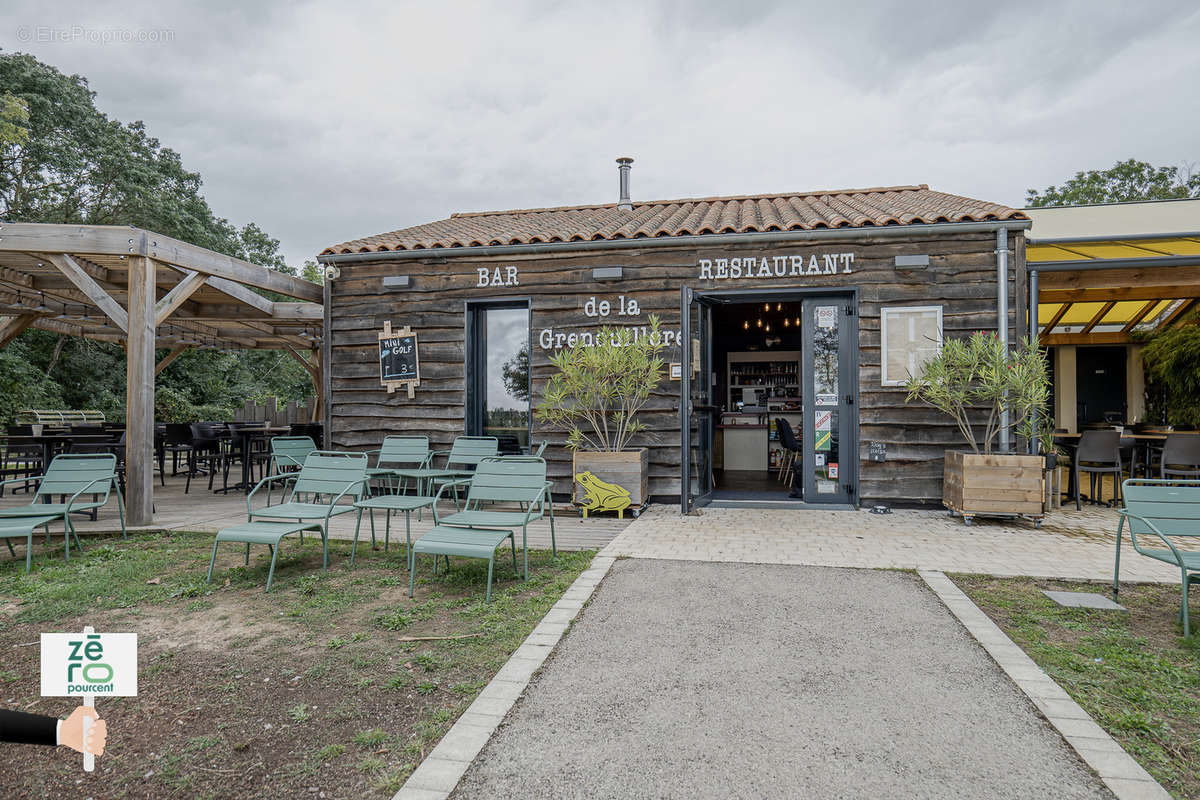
column 846, row 208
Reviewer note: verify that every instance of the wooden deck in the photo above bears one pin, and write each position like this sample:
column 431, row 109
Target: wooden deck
column 204, row 511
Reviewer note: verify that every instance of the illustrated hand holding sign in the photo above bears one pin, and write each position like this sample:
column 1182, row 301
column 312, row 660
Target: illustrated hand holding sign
column 87, row 665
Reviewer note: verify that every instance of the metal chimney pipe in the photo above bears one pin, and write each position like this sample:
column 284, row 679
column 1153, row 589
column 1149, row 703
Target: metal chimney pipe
column 623, row 166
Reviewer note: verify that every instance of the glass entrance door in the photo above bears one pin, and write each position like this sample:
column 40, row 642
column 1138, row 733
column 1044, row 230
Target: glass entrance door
column 696, row 406
column 498, row 402
column 829, row 438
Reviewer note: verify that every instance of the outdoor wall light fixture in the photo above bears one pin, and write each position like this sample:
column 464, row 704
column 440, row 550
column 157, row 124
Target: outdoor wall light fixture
column 608, row 273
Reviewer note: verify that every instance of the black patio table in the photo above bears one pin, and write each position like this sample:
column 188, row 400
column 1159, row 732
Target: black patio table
column 244, row 438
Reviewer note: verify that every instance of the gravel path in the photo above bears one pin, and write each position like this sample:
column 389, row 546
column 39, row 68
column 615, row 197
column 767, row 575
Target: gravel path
column 688, row 679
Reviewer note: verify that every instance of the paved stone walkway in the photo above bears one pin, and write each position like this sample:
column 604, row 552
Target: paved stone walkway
column 1070, row 544
column 814, row 682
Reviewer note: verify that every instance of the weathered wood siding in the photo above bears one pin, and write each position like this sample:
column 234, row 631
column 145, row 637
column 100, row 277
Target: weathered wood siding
column 961, row 277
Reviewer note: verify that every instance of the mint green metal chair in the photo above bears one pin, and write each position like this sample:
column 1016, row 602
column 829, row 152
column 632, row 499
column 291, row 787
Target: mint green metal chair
column 1162, row 509
column 82, row 482
column 335, row 476
column 22, row 528
column 400, row 453
column 287, row 455
column 475, row 531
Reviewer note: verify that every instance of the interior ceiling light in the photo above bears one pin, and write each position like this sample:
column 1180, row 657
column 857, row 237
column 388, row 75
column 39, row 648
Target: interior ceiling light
column 768, row 328
column 759, row 323
column 746, row 325
column 786, row 322
column 779, row 306
column 766, row 306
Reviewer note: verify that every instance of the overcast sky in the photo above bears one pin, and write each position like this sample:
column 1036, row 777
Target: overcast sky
column 326, row 121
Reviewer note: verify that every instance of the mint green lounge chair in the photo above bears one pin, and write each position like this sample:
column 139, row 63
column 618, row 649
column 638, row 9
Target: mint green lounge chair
column 1162, row 510
column 397, row 454
column 476, row 531
column 82, row 482
column 331, row 475
column 22, row 527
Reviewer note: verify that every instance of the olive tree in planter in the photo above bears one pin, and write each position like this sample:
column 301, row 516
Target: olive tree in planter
column 974, row 381
column 596, row 395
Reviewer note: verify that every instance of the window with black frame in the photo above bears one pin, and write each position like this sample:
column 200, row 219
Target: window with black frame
column 498, row 374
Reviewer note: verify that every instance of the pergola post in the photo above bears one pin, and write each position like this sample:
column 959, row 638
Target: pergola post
column 139, row 393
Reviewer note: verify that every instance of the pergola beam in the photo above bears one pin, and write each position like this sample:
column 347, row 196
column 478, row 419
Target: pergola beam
column 1115, row 337
column 1058, row 315
column 1138, row 292
column 113, row 240
column 1099, row 315
column 1120, row 278
column 14, row 327
column 178, row 295
column 91, row 290
column 175, row 353
column 1139, row 316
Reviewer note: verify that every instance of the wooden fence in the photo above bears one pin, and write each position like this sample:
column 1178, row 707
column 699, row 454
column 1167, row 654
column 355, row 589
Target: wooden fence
column 290, row 413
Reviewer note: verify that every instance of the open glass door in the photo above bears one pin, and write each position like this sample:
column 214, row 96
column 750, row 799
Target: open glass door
column 696, row 409
column 829, row 439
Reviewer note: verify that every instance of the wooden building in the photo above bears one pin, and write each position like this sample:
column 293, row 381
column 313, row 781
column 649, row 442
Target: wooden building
column 785, row 300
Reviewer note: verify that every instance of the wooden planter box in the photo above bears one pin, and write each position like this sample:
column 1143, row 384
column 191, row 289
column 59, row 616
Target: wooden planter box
column 629, row 469
column 993, row 485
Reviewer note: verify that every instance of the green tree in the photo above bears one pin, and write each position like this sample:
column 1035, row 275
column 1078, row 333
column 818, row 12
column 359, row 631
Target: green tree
column 1172, row 360
column 1124, row 182
column 63, row 160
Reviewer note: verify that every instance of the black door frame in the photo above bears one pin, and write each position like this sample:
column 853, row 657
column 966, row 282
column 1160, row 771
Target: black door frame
column 848, row 294
column 475, row 360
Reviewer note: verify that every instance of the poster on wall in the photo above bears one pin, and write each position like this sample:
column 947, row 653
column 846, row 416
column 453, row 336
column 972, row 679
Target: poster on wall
column 399, row 359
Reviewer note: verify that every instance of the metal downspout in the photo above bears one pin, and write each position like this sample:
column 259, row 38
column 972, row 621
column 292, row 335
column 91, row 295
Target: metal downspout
column 1033, row 340
column 1002, row 315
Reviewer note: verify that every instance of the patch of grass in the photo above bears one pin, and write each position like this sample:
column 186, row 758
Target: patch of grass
column 427, row 687
column 1132, row 672
column 330, row 751
column 371, row 738
column 427, row 661
column 300, row 712
column 396, row 620
column 399, row 680
column 371, row 764
column 199, row 743
column 335, row 643
column 8, row 676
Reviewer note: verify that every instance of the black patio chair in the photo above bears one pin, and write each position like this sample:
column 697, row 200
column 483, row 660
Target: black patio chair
column 206, row 452
column 177, row 441
column 21, row 457
column 1180, row 456
column 1098, row 453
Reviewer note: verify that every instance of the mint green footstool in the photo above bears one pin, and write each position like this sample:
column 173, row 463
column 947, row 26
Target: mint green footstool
column 468, row 542
column 22, row 527
column 268, row 533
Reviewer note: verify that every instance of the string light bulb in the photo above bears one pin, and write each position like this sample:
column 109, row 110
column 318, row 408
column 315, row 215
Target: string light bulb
column 759, row 323
column 746, row 325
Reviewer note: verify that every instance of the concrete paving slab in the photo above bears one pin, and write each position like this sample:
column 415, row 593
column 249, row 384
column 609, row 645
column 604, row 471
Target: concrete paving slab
column 1083, row 600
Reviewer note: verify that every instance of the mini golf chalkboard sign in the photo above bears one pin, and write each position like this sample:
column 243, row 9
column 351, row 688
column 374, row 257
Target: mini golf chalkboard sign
column 877, row 451
column 399, row 359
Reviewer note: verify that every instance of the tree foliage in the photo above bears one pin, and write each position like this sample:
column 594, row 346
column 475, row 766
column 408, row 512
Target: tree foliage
column 601, row 387
column 63, row 160
column 1124, row 182
column 975, row 376
column 1172, row 361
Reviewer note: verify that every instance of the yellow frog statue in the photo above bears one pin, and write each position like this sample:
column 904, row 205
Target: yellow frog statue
column 601, row 496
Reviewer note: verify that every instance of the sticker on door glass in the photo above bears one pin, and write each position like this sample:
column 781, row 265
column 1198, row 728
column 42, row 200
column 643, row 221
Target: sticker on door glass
column 826, row 316
column 824, row 420
column 826, row 487
column 820, row 459
column 832, row 471
column 826, row 399
column 822, row 441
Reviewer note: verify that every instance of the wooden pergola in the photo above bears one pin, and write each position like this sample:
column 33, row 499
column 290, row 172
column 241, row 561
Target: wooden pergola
column 148, row 291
